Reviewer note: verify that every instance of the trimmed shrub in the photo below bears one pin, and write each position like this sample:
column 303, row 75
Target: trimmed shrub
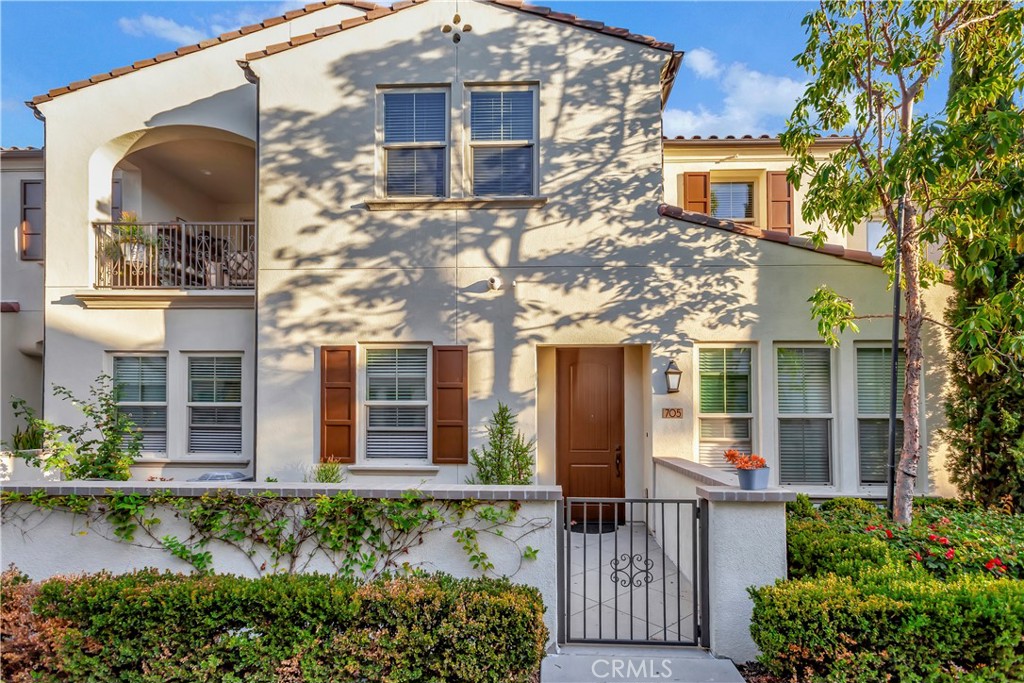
column 891, row 624
column 150, row 627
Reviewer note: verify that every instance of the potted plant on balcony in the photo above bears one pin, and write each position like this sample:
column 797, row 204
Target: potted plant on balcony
column 751, row 469
column 131, row 250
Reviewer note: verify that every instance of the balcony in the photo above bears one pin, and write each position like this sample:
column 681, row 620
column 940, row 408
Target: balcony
column 178, row 255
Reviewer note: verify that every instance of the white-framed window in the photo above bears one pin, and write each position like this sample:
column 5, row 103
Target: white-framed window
column 725, row 408
column 214, row 403
column 805, row 414
column 396, row 402
column 873, row 382
column 415, row 142
column 503, row 141
column 876, row 232
column 140, row 386
column 732, row 200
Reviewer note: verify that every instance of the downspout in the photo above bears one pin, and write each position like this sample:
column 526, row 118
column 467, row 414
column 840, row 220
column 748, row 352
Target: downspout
column 251, row 76
column 42, row 387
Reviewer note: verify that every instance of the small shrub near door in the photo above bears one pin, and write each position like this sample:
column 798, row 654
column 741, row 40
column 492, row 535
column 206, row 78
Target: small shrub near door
column 508, row 456
column 154, row 627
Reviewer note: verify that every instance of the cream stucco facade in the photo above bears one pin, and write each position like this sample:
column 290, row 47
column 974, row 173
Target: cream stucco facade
column 585, row 260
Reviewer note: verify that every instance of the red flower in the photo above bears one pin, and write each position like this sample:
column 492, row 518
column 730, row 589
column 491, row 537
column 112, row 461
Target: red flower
column 950, row 553
column 944, row 541
column 944, row 520
column 871, row 528
column 994, row 563
column 932, row 537
column 888, row 534
column 917, row 556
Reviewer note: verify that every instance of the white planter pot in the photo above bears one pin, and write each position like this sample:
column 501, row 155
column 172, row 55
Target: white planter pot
column 16, row 470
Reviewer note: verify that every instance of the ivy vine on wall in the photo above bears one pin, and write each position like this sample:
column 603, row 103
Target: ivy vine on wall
column 360, row 537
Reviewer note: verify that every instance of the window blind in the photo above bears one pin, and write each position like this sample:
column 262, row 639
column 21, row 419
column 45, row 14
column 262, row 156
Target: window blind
column 215, row 410
column 414, row 117
column 805, row 380
column 718, row 435
column 497, row 117
column 805, row 388
column 732, row 200
column 724, row 380
column 805, row 451
column 873, row 368
column 501, row 115
column 415, row 139
column 140, row 384
column 399, row 377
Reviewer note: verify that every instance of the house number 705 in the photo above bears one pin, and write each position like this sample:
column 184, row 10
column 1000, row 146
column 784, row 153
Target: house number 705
column 672, row 413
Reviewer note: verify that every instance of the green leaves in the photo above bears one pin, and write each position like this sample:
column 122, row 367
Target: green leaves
column 508, row 456
column 834, row 314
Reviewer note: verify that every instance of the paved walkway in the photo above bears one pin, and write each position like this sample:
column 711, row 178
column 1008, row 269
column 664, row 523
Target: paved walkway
column 623, row 586
column 636, row 664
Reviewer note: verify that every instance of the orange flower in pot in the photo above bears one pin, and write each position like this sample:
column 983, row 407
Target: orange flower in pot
column 751, row 469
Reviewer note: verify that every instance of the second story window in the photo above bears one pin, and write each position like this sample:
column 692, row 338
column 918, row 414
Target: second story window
column 503, row 142
column 416, row 144
column 732, row 201
column 32, row 220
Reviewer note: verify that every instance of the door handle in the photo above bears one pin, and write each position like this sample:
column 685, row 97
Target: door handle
column 618, row 461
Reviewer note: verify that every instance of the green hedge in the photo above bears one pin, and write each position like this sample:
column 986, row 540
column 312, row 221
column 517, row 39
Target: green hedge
column 891, row 624
column 153, row 627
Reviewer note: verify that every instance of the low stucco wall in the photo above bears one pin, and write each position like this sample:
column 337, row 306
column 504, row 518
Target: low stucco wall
column 746, row 546
column 44, row 543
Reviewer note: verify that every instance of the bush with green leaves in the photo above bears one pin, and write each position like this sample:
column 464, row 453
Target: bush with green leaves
column 150, row 627
column 103, row 446
column 847, row 535
column 508, row 456
column 891, row 624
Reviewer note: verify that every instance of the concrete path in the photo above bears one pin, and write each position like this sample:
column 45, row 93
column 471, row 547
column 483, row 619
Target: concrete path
column 636, row 664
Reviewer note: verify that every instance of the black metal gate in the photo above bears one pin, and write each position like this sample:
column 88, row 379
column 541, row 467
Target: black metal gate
column 633, row 571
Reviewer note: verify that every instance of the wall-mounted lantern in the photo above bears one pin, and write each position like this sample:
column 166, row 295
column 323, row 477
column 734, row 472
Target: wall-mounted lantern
column 673, row 375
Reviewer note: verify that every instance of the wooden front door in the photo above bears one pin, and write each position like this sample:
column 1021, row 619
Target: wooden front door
column 590, row 423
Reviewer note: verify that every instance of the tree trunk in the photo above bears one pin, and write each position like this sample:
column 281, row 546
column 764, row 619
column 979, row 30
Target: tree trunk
column 906, row 472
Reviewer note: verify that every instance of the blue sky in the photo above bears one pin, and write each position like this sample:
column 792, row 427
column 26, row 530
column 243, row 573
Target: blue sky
column 737, row 77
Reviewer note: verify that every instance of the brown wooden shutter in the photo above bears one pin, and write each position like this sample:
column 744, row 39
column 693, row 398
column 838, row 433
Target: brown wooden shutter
column 338, row 404
column 696, row 192
column 780, row 202
column 451, row 405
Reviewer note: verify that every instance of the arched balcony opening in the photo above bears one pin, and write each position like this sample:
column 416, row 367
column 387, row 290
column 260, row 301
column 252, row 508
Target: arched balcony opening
column 182, row 207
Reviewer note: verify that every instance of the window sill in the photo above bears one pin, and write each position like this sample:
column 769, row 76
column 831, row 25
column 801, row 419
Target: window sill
column 166, row 298
column 395, row 470
column 192, row 462
column 453, row 203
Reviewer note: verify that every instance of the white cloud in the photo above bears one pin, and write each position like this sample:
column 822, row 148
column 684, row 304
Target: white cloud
column 752, row 103
column 170, row 30
column 702, row 62
column 161, row 27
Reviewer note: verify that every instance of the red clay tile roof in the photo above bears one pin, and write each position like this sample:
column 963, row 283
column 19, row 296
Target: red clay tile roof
column 21, row 152
column 837, row 250
column 697, row 140
column 598, row 26
column 189, row 49
column 545, row 12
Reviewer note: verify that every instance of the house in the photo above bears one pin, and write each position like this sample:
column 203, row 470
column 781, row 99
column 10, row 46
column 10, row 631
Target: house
column 345, row 234
column 21, row 280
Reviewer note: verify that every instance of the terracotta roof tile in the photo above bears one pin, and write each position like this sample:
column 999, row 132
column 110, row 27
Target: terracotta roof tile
column 189, row 49
column 683, row 140
column 770, row 235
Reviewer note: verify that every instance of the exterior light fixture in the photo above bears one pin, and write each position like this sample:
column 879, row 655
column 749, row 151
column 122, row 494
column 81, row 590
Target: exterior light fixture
column 673, row 375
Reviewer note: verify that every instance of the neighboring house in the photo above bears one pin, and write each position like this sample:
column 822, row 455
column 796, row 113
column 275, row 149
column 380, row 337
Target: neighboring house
column 357, row 229
column 21, row 281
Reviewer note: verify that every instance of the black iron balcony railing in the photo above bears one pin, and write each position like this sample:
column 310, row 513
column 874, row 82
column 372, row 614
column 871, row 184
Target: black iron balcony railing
column 175, row 255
